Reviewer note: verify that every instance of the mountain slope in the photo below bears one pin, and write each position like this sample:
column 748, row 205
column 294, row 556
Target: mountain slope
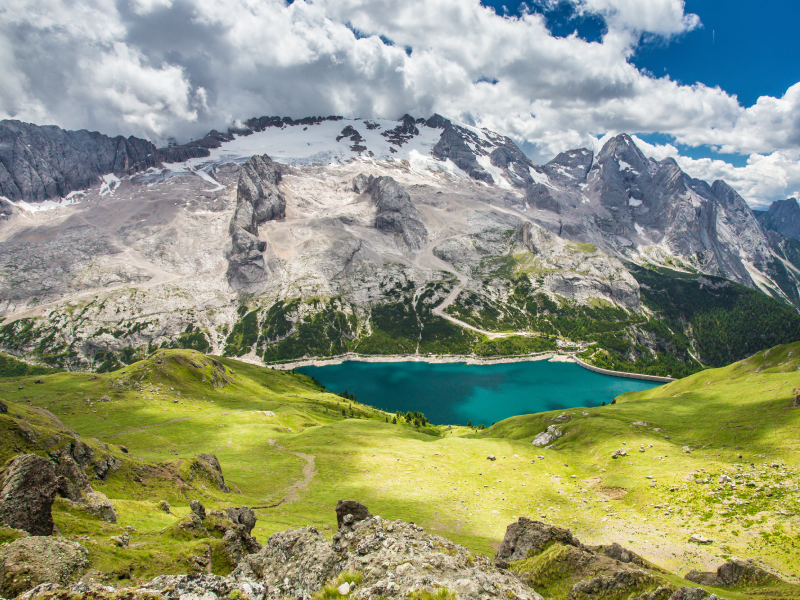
column 289, row 238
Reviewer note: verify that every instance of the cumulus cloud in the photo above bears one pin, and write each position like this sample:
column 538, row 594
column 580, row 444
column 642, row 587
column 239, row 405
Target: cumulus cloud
column 158, row 68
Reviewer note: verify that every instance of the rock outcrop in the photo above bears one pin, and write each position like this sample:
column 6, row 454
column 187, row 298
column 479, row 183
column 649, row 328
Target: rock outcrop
column 207, row 468
column 29, row 486
column 349, row 512
column 258, row 200
column 551, row 560
column 527, row 536
column 396, row 214
column 40, row 162
column 783, row 217
column 735, row 572
column 29, row 562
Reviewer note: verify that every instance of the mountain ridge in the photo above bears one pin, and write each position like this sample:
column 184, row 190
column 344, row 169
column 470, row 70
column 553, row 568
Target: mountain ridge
column 274, row 245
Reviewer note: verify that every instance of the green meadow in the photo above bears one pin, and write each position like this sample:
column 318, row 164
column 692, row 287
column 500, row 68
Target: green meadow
column 715, row 454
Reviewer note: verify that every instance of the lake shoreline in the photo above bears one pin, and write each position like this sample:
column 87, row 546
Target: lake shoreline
column 438, row 359
column 465, row 359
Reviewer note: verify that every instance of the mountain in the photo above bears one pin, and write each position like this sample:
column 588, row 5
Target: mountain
column 783, row 216
column 287, row 238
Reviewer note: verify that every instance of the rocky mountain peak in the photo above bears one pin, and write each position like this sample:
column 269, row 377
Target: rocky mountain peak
column 571, row 165
column 783, row 216
column 625, row 153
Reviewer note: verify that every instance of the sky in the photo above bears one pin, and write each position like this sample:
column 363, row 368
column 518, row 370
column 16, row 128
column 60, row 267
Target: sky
column 714, row 84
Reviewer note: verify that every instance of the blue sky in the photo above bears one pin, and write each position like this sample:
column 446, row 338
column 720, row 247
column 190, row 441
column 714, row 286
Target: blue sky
column 748, row 49
column 713, row 84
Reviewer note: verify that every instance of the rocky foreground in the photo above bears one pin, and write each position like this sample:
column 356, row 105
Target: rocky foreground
column 372, row 558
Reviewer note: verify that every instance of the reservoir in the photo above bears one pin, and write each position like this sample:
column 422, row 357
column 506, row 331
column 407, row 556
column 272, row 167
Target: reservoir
column 455, row 393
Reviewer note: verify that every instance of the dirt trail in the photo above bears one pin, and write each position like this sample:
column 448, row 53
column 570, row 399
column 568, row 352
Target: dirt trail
column 429, row 260
column 293, row 492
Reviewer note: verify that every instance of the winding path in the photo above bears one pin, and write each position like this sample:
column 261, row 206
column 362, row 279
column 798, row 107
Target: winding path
column 430, row 261
column 293, row 492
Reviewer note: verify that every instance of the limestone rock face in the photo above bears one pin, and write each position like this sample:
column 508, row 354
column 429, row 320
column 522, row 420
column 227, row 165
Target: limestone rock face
column 258, row 200
column 40, row 162
column 28, row 490
column 538, row 196
column 527, row 535
column 396, row 214
column 28, row 562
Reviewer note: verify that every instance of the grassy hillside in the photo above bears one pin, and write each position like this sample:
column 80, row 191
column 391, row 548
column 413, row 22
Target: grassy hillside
column 285, row 447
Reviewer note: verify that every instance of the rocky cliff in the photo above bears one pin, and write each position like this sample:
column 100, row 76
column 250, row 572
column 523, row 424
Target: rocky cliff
column 40, row 162
column 783, row 217
column 345, row 225
column 257, row 200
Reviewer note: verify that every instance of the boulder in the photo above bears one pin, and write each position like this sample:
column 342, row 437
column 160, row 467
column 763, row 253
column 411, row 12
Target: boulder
column 356, row 510
column 28, row 562
column 243, row 516
column 687, row 593
column 696, row 538
column 3, row 408
column 550, row 435
column 735, row 572
column 198, row 509
column 527, row 535
column 28, row 490
column 73, row 482
column 207, row 467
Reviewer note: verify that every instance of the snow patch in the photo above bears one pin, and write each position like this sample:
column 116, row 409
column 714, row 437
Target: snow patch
column 634, row 202
column 496, row 172
column 540, row 178
column 624, row 166
column 45, row 205
column 639, row 230
column 206, row 177
column 110, row 184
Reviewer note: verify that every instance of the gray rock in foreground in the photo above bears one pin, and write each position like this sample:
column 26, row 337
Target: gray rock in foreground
column 29, row 488
column 28, row 562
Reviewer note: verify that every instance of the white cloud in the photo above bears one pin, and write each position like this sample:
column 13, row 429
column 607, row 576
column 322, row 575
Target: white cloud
column 662, row 17
column 181, row 67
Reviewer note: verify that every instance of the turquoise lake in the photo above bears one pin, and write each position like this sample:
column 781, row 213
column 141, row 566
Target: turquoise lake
column 455, row 393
